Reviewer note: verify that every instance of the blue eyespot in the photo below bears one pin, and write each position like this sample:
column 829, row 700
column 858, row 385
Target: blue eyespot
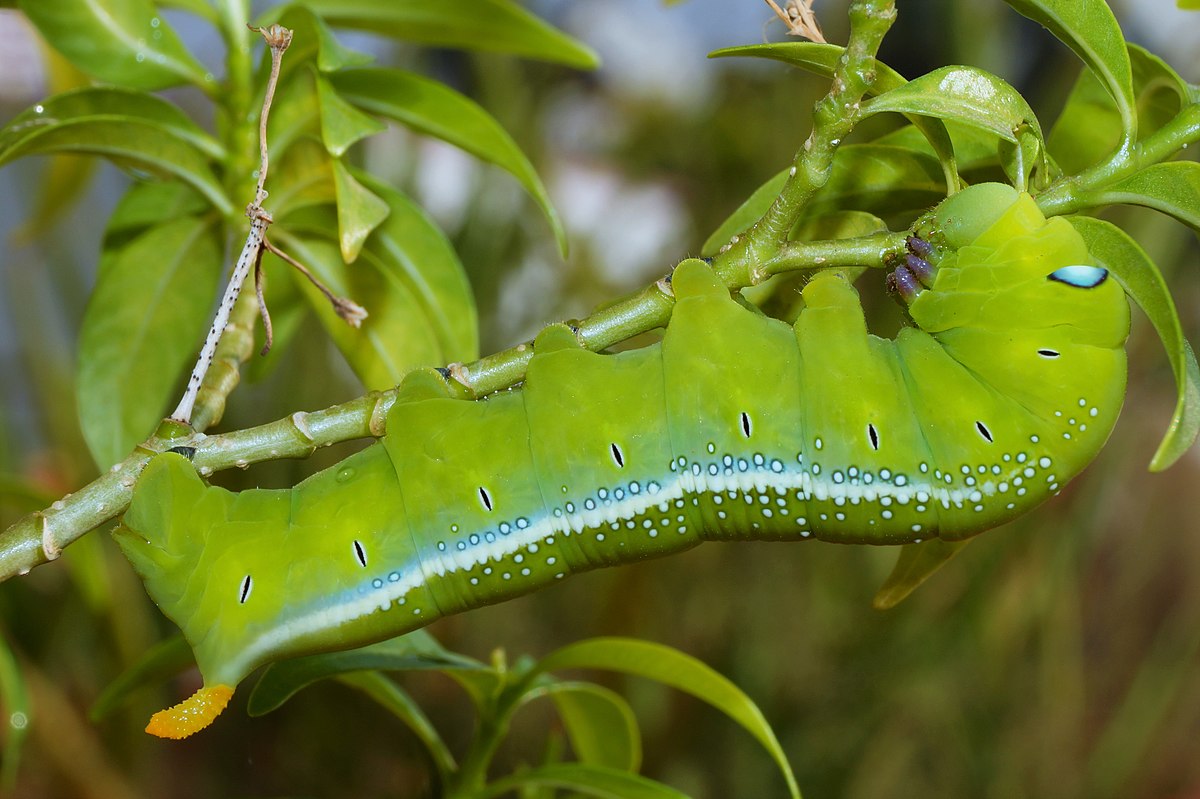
column 1080, row 276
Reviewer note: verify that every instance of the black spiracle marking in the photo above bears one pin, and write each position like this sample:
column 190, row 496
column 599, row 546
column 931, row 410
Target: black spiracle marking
column 873, row 434
column 247, row 586
column 746, row 429
column 1047, row 353
column 983, row 431
column 485, row 498
column 360, row 553
column 617, row 456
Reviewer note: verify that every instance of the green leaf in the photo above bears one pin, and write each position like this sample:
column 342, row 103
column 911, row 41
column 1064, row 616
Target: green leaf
column 1089, row 28
column 110, row 104
column 683, row 672
column 881, row 180
column 396, row 336
column 397, row 701
column 417, row 650
column 142, row 328
column 61, row 184
column 499, row 26
column 597, row 781
column 973, row 148
column 1172, row 188
column 359, row 211
column 18, row 711
column 1089, row 128
column 134, row 144
column 312, row 37
column 160, row 663
column 876, row 178
column 341, row 123
column 599, row 722
column 750, row 211
column 916, row 564
column 1142, row 280
column 822, row 59
column 412, row 247
column 301, row 179
column 147, row 204
column 434, row 109
column 200, row 8
column 289, row 309
column 964, row 94
column 125, row 42
column 295, row 114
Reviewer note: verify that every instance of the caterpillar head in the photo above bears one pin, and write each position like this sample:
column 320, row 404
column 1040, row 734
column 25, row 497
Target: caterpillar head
column 987, row 257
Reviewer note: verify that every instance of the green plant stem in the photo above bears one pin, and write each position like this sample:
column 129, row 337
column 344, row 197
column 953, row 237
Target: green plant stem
column 1085, row 189
column 834, row 116
column 872, row 251
column 22, row 545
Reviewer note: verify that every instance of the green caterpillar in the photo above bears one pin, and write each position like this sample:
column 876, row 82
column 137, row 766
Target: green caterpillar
column 735, row 426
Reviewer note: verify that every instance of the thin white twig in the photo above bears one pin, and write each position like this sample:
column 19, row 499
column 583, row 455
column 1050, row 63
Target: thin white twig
column 278, row 38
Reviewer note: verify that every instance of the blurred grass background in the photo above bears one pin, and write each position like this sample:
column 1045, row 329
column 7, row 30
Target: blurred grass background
column 1057, row 658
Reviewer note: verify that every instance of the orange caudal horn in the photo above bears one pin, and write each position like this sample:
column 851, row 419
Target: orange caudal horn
column 192, row 714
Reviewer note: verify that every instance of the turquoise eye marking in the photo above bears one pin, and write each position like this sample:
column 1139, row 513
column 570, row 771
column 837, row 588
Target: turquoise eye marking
column 1080, row 276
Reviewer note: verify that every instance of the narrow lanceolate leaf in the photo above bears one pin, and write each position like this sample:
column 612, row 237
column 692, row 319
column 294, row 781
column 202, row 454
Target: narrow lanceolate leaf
column 110, row 103
column 126, row 42
column 359, row 211
column 14, row 699
column 915, row 564
column 313, row 38
column 822, row 59
column 147, row 204
column 880, row 180
column 416, row 650
column 500, row 26
column 142, row 327
column 1172, row 188
column 411, row 247
column 1089, row 128
column 683, row 672
column 1089, row 28
column 397, row 701
column 131, row 143
column 1143, row 281
column 432, row 108
column 600, row 724
column 395, row 337
column 965, row 94
column 746, row 214
column 341, row 123
column 584, row 780
column 166, row 659
column 973, row 148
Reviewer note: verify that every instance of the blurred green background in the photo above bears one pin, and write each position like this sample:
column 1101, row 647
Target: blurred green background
column 1056, row 657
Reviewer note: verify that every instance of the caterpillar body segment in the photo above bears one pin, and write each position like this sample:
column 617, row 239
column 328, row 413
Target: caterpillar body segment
column 735, row 426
